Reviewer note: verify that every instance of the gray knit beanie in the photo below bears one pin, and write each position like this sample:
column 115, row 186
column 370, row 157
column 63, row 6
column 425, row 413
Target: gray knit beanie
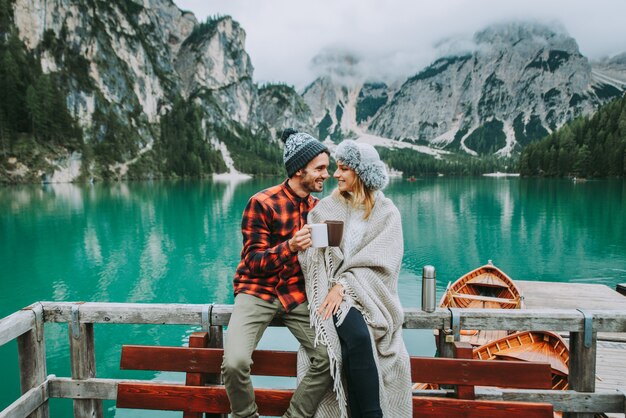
column 365, row 161
column 300, row 148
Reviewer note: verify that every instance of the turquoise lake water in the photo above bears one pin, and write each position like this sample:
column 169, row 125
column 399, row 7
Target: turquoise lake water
column 179, row 242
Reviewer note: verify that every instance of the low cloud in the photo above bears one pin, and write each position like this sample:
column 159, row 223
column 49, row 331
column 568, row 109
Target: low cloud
column 392, row 38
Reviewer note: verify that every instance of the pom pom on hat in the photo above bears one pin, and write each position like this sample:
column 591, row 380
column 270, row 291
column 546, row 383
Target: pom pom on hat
column 365, row 161
column 286, row 134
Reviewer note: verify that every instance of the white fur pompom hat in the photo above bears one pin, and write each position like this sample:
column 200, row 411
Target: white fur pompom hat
column 365, row 161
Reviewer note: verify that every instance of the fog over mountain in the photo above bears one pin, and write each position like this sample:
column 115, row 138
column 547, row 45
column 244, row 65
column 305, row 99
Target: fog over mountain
column 401, row 36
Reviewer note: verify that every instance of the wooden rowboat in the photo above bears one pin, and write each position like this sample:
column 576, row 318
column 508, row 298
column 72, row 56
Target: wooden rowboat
column 537, row 346
column 540, row 346
column 486, row 287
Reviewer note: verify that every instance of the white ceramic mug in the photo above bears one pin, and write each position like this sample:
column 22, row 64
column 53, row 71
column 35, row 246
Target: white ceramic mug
column 319, row 235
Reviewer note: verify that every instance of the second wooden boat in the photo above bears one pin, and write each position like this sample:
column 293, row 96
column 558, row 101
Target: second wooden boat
column 540, row 346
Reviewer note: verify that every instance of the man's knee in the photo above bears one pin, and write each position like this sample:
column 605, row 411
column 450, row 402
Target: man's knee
column 235, row 364
column 320, row 361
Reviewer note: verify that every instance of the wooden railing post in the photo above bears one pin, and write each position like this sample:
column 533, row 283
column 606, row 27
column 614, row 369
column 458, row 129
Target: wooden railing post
column 83, row 363
column 31, row 350
column 582, row 368
column 464, row 350
column 449, row 335
column 196, row 340
column 445, row 343
column 216, row 340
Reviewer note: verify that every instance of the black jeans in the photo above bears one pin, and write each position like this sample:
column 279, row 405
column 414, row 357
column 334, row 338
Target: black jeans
column 359, row 366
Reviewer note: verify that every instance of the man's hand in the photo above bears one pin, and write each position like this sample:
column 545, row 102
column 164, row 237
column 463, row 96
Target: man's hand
column 301, row 240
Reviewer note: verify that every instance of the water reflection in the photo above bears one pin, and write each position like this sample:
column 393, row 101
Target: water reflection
column 534, row 229
column 179, row 242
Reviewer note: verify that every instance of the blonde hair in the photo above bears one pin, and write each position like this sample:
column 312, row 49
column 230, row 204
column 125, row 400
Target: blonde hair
column 360, row 195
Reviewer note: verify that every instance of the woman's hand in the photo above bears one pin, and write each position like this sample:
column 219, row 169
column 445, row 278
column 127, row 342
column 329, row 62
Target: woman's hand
column 331, row 303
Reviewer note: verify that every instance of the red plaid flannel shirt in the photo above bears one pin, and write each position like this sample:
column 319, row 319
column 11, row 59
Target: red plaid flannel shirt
column 268, row 269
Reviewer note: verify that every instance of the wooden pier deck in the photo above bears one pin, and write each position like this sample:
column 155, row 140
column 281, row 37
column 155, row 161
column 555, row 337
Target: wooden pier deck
column 611, row 346
column 582, row 400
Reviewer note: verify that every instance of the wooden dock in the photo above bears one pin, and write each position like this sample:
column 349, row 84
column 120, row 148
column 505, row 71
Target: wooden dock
column 582, row 400
column 611, row 346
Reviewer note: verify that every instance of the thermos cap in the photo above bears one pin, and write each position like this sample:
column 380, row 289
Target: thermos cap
column 428, row 272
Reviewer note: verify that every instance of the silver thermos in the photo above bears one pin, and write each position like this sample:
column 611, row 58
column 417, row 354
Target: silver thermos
column 429, row 289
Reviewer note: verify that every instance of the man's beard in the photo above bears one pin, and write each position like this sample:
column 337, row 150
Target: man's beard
column 309, row 183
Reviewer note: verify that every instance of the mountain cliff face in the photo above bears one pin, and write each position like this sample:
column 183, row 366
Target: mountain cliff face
column 155, row 93
column 133, row 65
column 519, row 83
column 281, row 106
column 118, row 53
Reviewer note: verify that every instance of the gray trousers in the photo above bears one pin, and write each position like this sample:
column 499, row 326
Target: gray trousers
column 250, row 318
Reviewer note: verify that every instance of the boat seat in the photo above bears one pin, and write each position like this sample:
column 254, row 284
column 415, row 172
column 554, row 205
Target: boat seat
column 483, row 298
column 488, row 280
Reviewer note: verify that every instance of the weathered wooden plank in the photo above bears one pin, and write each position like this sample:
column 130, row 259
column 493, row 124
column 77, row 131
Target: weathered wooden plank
column 83, row 365
column 425, row 407
column 563, row 400
column 526, row 319
column 582, row 368
column 516, row 374
column 126, row 313
column 541, row 319
column 203, row 360
column 27, row 403
column 570, row 295
column 95, row 388
column 31, row 349
column 212, row 399
column 15, row 325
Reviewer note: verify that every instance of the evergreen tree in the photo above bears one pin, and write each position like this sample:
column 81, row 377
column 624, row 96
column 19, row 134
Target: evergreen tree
column 183, row 149
column 585, row 147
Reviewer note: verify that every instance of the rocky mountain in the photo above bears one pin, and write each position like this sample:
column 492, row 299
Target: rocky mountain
column 344, row 98
column 93, row 89
column 519, row 82
column 132, row 72
column 280, row 105
column 339, row 110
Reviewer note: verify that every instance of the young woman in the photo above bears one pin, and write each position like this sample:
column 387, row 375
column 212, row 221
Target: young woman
column 353, row 291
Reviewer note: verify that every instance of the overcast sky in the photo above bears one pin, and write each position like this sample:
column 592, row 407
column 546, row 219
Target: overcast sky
column 396, row 36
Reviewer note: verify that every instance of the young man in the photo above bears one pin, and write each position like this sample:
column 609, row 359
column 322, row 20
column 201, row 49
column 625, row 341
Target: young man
column 269, row 282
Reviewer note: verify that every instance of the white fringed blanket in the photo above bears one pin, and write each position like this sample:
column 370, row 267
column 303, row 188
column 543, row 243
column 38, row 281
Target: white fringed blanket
column 370, row 278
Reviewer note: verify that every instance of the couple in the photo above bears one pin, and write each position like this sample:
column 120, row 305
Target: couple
column 341, row 303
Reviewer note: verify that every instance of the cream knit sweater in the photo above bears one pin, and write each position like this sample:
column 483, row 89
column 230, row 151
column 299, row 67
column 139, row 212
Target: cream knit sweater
column 370, row 277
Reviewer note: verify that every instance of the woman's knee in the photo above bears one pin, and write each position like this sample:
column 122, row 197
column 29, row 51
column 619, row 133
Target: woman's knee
column 358, row 339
